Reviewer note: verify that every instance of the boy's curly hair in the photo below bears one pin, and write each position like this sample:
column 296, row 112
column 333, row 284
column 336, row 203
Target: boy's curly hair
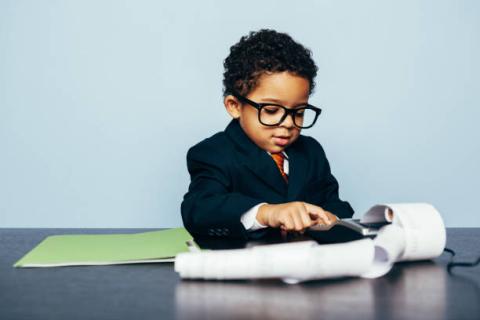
column 265, row 51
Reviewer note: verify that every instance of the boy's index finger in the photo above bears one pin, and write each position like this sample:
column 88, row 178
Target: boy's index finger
column 313, row 208
column 317, row 210
column 335, row 218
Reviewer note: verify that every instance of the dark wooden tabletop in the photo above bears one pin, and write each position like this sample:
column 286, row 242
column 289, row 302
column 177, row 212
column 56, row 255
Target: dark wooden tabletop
column 415, row 290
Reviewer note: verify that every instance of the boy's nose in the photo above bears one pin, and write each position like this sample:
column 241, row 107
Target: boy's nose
column 288, row 121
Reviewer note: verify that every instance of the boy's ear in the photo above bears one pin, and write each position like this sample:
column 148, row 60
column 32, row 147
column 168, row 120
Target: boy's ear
column 233, row 106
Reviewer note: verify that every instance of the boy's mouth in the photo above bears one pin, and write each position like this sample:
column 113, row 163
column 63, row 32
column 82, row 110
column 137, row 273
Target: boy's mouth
column 281, row 140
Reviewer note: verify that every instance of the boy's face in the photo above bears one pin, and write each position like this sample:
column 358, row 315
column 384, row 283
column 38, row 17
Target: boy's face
column 282, row 88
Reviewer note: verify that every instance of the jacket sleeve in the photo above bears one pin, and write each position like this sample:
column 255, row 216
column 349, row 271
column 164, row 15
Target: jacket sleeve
column 210, row 208
column 324, row 189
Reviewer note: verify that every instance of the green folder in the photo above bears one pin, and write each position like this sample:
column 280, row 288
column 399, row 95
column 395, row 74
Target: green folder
column 105, row 249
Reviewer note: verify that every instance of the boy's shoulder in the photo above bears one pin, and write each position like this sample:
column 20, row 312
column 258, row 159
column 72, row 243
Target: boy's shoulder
column 211, row 147
column 215, row 139
column 220, row 142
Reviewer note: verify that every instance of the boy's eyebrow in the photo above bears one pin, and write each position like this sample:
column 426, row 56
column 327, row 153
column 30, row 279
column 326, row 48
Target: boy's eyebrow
column 281, row 102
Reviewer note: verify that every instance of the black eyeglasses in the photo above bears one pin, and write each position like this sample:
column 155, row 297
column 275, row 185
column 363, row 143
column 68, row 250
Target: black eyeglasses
column 271, row 114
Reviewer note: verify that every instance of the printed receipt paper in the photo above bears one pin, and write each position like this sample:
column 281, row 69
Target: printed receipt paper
column 416, row 232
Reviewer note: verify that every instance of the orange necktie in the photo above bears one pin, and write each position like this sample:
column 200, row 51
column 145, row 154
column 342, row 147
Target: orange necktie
column 279, row 158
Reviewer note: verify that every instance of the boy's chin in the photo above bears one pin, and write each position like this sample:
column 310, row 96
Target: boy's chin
column 276, row 148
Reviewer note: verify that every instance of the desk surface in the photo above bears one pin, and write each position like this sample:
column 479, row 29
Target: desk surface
column 420, row 290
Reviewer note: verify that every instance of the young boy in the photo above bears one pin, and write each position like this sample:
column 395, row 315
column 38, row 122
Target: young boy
column 260, row 172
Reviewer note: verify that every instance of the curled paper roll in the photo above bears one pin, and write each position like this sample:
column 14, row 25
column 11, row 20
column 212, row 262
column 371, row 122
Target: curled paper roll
column 425, row 235
column 389, row 247
column 239, row 263
column 300, row 261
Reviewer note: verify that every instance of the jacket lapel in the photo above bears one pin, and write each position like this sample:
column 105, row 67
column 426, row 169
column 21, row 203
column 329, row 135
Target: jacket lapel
column 255, row 159
column 297, row 176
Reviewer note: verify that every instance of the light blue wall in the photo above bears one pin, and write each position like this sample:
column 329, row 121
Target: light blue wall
column 100, row 100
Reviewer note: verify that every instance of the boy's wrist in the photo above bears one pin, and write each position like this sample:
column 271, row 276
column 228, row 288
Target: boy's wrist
column 263, row 214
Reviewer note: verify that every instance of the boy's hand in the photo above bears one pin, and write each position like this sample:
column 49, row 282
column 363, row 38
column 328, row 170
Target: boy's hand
column 294, row 216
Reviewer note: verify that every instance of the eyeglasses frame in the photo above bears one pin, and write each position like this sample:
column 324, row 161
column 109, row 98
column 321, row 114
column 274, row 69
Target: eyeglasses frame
column 288, row 111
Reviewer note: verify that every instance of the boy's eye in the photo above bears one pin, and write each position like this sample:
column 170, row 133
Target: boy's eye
column 271, row 109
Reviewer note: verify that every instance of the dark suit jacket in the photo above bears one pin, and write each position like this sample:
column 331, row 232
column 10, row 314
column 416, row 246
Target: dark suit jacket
column 230, row 174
